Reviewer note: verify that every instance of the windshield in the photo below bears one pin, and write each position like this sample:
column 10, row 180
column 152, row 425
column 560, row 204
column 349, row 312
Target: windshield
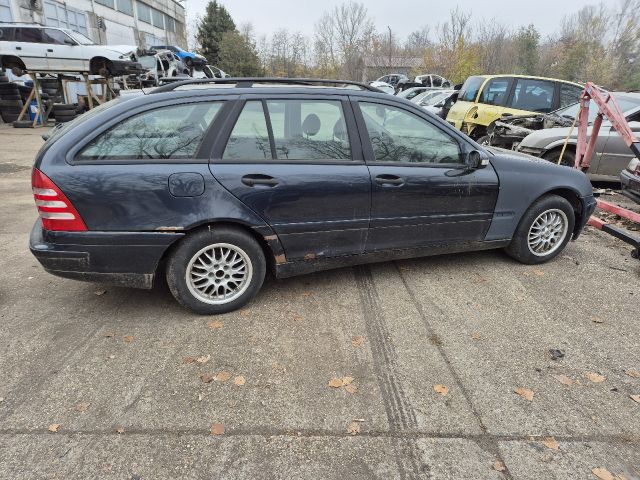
column 572, row 110
column 80, row 38
column 469, row 90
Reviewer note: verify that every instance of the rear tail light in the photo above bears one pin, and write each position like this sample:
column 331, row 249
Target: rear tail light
column 55, row 209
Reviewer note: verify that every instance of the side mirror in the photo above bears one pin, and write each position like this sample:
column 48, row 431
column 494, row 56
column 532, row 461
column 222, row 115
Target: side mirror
column 476, row 159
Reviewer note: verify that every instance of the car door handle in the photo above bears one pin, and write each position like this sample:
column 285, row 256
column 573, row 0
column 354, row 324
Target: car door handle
column 18, row 48
column 50, row 50
column 389, row 180
column 259, row 179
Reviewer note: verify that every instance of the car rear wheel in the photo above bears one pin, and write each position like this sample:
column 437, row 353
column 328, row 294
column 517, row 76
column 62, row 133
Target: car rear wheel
column 544, row 230
column 216, row 271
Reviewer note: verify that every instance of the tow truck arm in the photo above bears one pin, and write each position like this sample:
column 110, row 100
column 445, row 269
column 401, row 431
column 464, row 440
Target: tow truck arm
column 607, row 106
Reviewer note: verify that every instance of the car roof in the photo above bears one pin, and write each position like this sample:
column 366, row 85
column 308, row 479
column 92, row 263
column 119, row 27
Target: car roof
column 534, row 77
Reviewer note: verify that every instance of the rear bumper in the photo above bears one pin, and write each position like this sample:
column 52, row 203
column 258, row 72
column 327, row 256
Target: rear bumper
column 630, row 185
column 128, row 259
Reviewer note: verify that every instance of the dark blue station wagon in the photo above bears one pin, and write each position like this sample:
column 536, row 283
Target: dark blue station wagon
column 210, row 182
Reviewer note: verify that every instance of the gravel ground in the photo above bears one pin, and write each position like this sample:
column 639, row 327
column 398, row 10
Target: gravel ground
column 105, row 382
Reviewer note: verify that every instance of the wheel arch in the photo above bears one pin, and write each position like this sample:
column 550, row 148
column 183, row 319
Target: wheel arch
column 572, row 196
column 12, row 60
column 269, row 244
column 96, row 59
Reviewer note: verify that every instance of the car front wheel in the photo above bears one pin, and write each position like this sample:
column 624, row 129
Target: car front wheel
column 216, row 271
column 544, row 230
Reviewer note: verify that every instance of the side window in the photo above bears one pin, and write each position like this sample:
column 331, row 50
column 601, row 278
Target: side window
column 57, row 37
column 7, row 34
column 309, row 130
column 495, row 91
column 172, row 132
column 399, row 136
column 569, row 94
column 436, row 80
column 32, row 35
column 249, row 139
column 533, row 95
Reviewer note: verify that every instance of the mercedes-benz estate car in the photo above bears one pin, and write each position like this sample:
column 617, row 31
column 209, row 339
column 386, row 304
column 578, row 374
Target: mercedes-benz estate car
column 212, row 186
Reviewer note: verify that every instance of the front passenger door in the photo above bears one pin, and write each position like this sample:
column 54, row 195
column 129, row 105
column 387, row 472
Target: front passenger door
column 421, row 194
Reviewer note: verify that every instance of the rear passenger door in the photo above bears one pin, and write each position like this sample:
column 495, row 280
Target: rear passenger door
column 298, row 164
column 493, row 99
column 533, row 95
column 30, row 49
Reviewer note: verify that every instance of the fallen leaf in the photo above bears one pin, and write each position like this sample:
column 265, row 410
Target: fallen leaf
column 525, row 393
column 82, row 406
column 603, row 474
column 206, row 378
column 551, row 443
column 595, row 377
column 499, row 466
column 239, row 380
column 635, row 398
column 100, row 292
column 246, row 312
column 213, row 324
column 120, row 430
column 128, row 338
column 632, row 372
column 222, row 376
column 347, row 380
column 441, row 389
column 217, row 429
column 54, row 427
column 203, row 359
column 298, row 318
column 556, row 354
column 306, row 294
column 351, row 388
column 563, row 379
column 335, row 382
column 357, row 341
column 597, row 320
column 476, row 335
column 353, row 428
column 538, row 272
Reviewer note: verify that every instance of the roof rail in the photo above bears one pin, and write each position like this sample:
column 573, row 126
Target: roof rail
column 247, row 82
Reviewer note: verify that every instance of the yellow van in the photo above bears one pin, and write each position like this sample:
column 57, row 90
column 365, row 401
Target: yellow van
column 485, row 98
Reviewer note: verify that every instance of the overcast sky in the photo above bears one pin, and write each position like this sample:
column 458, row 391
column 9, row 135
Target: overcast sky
column 403, row 16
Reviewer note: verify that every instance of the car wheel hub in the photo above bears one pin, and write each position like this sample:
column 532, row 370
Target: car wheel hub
column 547, row 232
column 219, row 273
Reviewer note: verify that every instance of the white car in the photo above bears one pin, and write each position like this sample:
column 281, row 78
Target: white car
column 28, row 47
column 385, row 87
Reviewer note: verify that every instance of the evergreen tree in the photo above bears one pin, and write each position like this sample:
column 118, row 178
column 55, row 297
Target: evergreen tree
column 527, row 41
column 211, row 28
column 238, row 56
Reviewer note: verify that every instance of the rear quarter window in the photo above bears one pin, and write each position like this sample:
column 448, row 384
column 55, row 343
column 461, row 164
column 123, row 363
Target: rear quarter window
column 172, row 132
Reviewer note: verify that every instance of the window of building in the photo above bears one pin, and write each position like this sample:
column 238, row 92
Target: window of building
column 157, row 18
column 5, row 11
column 399, row 136
column 58, row 15
column 144, row 12
column 125, row 6
column 309, row 130
column 173, row 132
column 249, row 139
column 107, row 3
column 170, row 23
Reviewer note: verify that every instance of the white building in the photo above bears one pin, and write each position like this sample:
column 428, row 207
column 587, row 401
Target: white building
column 108, row 22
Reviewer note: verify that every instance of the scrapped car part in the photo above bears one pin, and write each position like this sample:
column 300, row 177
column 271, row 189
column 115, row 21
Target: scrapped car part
column 510, row 130
column 209, row 185
column 630, row 180
column 615, row 230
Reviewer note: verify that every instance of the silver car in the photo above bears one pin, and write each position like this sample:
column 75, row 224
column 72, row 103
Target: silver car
column 611, row 154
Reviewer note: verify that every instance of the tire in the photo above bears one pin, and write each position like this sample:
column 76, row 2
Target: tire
column 64, row 108
column 556, row 209
column 188, row 62
column 184, row 261
column 23, row 124
column 568, row 159
column 9, row 117
column 64, row 118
